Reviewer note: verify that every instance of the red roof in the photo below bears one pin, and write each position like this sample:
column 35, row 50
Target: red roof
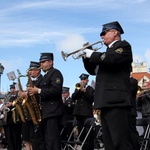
column 140, row 75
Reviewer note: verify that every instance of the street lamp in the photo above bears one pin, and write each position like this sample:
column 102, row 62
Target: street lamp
column 1, row 72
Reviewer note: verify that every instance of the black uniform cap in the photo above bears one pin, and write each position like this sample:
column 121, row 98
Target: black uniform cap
column 46, row 56
column 12, row 86
column 65, row 89
column 34, row 65
column 112, row 25
column 83, row 76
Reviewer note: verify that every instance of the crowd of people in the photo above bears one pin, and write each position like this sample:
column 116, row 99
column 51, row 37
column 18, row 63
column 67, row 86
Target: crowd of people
column 114, row 97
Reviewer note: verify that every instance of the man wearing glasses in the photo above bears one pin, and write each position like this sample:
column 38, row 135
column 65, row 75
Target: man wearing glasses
column 112, row 91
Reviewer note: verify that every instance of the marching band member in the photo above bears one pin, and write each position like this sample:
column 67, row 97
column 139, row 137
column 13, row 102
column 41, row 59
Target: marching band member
column 32, row 134
column 50, row 91
column 12, row 130
column 143, row 101
column 112, row 90
column 68, row 106
column 83, row 97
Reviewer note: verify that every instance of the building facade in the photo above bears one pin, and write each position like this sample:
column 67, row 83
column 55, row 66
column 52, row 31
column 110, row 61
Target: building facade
column 139, row 72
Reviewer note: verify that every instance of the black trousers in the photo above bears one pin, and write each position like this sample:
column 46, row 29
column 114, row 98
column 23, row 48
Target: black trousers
column 116, row 128
column 13, row 136
column 37, row 139
column 52, row 126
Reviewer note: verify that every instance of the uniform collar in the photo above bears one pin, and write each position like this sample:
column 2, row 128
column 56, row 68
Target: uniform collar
column 110, row 45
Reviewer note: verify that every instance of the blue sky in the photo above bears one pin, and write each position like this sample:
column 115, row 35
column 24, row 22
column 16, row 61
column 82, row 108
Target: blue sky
column 31, row 27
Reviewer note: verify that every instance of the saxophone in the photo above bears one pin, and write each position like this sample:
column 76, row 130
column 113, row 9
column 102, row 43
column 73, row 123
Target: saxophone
column 19, row 110
column 15, row 115
column 34, row 108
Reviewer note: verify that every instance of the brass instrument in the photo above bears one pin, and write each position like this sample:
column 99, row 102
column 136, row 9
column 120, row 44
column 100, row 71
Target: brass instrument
column 142, row 92
column 4, row 112
column 19, row 109
column 32, row 104
column 80, row 85
column 79, row 53
column 139, row 89
column 15, row 115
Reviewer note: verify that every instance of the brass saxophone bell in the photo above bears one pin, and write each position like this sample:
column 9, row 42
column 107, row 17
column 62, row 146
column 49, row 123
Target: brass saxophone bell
column 24, row 101
column 14, row 102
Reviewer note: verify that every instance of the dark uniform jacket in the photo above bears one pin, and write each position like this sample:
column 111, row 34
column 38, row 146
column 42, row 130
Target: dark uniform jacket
column 68, row 107
column 112, row 70
column 83, row 102
column 51, row 94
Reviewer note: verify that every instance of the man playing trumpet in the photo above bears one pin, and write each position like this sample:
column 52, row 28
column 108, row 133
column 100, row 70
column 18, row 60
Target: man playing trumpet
column 83, row 97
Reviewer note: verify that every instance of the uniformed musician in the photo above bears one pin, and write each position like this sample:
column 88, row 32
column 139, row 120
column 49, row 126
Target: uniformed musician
column 51, row 98
column 83, row 97
column 68, row 107
column 112, row 90
column 12, row 130
column 68, row 104
column 143, row 101
column 32, row 134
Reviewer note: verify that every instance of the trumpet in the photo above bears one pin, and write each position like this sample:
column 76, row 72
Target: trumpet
column 78, row 86
column 79, row 53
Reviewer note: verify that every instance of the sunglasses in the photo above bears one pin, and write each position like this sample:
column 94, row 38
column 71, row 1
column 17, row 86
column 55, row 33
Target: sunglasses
column 105, row 31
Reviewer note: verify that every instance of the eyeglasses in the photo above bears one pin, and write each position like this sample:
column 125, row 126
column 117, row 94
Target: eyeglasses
column 105, row 31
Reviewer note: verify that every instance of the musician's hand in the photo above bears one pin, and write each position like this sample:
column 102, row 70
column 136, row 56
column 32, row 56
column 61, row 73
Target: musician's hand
column 88, row 53
column 8, row 104
column 32, row 90
column 22, row 94
column 83, row 89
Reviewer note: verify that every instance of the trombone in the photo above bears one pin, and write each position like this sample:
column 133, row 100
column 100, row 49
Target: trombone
column 79, row 53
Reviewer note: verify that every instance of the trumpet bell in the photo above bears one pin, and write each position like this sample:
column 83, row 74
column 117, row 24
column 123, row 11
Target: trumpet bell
column 78, row 86
column 64, row 55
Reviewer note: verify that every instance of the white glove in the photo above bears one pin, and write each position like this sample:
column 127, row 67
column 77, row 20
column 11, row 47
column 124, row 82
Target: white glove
column 88, row 52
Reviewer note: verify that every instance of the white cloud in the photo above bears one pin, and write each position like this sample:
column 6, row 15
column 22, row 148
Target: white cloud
column 71, row 43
